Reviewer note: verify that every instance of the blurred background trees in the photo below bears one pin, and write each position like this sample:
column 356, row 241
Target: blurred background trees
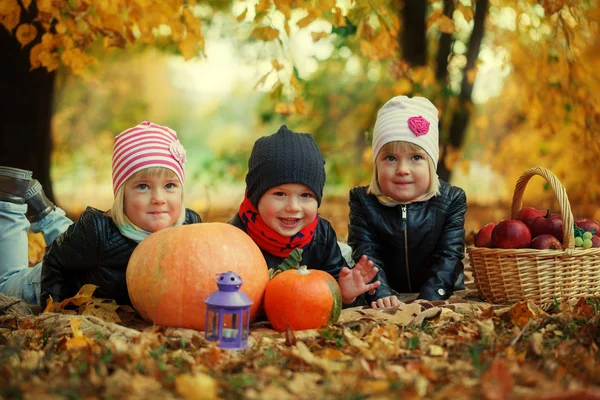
column 515, row 82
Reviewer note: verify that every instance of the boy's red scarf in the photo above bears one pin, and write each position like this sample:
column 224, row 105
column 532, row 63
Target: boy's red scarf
column 267, row 239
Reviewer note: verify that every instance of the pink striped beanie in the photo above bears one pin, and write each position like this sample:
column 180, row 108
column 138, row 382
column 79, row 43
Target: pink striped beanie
column 143, row 146
column 408, row 119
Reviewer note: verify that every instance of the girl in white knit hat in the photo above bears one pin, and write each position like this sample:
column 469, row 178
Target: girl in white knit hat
column 408, row 222
column 148, row 175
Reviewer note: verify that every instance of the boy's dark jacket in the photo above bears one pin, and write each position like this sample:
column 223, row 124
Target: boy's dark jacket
column 322, row 253
column 434, row 238
column 92, row 250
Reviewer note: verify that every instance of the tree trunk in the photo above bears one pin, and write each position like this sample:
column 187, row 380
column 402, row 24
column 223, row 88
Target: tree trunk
column 445, row 44
column 412, row 41
column 462, row 115
column 25, row 109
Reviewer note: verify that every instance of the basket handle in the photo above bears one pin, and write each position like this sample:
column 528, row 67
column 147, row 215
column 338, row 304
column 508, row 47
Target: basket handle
column 559, row 192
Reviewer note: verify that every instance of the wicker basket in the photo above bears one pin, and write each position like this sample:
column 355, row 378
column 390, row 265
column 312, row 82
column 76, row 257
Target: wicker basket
column 504, row 276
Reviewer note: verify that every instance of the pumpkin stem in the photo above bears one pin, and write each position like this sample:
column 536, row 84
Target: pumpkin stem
column 291, row 262
column 303, row 270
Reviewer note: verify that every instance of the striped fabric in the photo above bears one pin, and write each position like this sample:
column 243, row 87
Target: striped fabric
column 143, row 146
column 392, row 124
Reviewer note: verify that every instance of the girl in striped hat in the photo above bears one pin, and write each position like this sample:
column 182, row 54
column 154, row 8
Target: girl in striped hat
column 148, row 175
column 408, row 222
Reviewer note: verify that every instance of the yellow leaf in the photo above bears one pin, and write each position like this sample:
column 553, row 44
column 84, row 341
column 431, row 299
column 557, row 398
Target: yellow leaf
column 285, row 10
column 61, row 28
column 197, row 386
column 327, row 5
column 276, row 64
column 26, row 4
column 111, row 22
column 191, row 23
column 446, row 25
column 316, row 36
column 49, row 42
column 300, row 105
column 263, row 5
column 262, row 80
column 338, row 17
column 265, row 33
column 78, row 341
column 10, row 14
column 76, row 327
column 471, row 74
column 403, row 86
column 286, row 26
column 467, row 12
column 285, row 109
column 306, row 20
column 242, row 16
column 433, row 18
column 187, row 47
column 67, row 42
column 48, row 59
column 85, row 293
column 102, row 308
column 49, row 305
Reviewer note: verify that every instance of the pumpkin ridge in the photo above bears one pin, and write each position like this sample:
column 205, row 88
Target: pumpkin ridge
column 336, row 293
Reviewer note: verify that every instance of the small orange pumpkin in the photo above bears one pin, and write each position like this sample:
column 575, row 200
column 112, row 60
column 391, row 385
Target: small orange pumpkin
column 302, row 299
column 172, row 271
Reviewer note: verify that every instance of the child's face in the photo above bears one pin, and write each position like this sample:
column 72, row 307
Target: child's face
column 403, row 174
column 153, row 202
column 288, row 208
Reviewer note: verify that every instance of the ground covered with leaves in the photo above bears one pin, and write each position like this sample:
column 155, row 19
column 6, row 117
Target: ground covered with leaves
column 462, row 348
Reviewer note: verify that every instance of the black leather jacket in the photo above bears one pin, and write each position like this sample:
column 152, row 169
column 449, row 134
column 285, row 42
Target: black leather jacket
column 322, row 253
column 417, row 247
column 92, row 250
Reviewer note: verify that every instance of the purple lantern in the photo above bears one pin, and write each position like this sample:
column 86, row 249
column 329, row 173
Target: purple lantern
column 228, row 313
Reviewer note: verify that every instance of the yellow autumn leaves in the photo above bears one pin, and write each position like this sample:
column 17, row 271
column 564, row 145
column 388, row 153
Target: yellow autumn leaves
column 70, row 28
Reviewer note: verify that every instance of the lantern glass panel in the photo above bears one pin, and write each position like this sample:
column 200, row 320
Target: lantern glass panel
column 212, row 327
column 230, row 327
column 245, row 317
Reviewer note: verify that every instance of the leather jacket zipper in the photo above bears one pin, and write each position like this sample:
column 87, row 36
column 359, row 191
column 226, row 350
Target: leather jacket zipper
column 404, row 226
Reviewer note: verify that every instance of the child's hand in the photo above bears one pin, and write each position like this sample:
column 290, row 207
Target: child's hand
column 390, row 301
column 355, row 281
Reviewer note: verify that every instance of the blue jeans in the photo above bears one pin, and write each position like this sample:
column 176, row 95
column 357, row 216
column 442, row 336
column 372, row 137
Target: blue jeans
column 16, row 278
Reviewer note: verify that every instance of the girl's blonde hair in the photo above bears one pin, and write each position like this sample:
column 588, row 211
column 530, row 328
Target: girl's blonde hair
column 400, row 146
column 117, row 212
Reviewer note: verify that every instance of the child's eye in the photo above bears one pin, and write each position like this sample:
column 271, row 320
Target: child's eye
column 417, row 157
column 307, row 195
column 170, row 186
column 143, row 186
column 278, row 194
column 390, row 158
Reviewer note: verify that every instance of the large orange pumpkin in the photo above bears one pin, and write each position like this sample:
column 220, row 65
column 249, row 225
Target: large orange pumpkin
column 172, row 271
column 302, row 299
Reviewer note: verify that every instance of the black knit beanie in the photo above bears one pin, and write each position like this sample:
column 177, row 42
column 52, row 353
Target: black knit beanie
column 285, row 157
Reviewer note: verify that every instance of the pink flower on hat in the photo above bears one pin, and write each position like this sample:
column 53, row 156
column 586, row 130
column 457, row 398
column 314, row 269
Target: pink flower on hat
column 419, row 125
column 178, row 151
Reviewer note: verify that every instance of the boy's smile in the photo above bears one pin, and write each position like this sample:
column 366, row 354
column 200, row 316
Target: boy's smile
column 288, row 208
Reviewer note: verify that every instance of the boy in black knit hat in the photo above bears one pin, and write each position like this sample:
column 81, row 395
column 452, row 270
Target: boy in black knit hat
column 284, row 188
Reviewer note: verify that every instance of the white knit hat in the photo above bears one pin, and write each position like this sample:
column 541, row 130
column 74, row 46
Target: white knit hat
column 413, row 120
column 143, row 146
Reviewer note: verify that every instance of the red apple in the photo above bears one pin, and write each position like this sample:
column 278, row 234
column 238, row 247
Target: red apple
column 484, row 236
column 528, row 214
column 550, row 224
column 588, row 225
column 595, row 241
column 511, row 234
column 546, row 241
